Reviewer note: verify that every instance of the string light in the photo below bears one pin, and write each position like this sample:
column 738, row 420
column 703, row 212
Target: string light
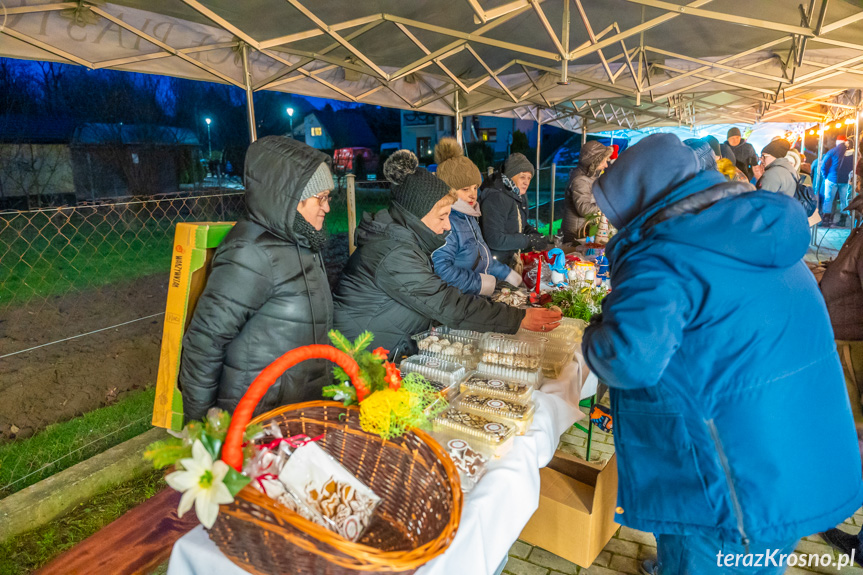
column 811, row 132
column 838, row 125
column 849, row 121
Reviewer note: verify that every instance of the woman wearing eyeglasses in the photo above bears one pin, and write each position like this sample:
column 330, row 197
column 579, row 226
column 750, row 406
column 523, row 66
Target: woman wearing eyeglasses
column 268, row 291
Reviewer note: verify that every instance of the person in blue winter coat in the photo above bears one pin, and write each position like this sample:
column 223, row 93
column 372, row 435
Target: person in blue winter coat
column 465, row 261
column 717, row 346
column 836, row 169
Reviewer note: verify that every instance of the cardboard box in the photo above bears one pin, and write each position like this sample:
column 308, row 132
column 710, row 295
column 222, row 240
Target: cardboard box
column 194, row 246
column 575, row 518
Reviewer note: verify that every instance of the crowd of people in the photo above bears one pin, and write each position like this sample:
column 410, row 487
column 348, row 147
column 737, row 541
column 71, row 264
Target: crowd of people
column 715, row 340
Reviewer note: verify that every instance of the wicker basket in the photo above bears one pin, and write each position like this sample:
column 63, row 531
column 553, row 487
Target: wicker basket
column 415, row 522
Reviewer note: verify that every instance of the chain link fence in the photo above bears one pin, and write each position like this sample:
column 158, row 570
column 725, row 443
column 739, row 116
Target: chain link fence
column 82, row 299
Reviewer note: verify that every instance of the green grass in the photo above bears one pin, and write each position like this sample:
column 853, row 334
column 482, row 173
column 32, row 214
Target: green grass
column 24, row 462
column 29, row 551
column 54, row 252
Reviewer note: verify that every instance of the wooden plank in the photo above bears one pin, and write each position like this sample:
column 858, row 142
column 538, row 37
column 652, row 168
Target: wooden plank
column 137, row 542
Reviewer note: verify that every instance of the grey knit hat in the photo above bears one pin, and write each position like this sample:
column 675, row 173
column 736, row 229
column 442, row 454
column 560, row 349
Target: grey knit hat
column 733, row 132
column 515, row 164
column 321, row 181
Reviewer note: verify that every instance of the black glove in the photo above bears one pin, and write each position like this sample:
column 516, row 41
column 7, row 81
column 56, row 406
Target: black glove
column 537, row 242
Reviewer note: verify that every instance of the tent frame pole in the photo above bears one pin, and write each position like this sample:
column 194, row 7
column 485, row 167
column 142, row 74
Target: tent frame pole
column 459, row 134
column 854, row 189
column 250, row 96
column 818, row 174
column 538, row 145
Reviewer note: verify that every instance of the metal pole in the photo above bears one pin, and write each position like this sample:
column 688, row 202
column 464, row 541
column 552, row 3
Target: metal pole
column 538, row 144
column 551, row 217
column 583, row 131
column 352, row 212
column 459, row 135
column 854, row 189
column 817, row 179
column 250, row 101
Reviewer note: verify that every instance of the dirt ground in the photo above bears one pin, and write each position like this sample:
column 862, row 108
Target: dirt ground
column 64, row 380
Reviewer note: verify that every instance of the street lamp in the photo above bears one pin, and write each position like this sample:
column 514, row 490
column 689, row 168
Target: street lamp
column 209, row 144
column 291, row 116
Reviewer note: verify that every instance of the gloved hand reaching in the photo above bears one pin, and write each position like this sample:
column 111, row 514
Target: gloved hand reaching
column 537, row 242
column 541, row 319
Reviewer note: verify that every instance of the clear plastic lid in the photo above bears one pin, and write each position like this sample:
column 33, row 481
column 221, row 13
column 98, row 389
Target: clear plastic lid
column 495, row 387
column 518, row 414
column 470, row 458
column 459, row 346
column 569, row 332
column 530, row 376
column 494, row 436
column 512, row 345
column 445, row 372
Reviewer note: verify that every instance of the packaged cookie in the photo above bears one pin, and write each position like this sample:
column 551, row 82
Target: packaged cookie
column 494, row 387
column 519, row 415
column 323, row 490
column 494, row 436
column 532, row 376
column 470, row 462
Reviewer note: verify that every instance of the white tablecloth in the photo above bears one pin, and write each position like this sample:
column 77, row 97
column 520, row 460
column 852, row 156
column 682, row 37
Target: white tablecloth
column 494, row 512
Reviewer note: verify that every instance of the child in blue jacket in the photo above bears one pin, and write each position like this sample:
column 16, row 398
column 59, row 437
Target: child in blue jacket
column 465, row 261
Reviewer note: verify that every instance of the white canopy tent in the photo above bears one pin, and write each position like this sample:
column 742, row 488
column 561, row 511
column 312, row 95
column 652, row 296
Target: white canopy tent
column 593, row 65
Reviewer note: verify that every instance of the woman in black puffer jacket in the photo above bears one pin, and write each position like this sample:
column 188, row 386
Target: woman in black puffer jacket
column 268, row 292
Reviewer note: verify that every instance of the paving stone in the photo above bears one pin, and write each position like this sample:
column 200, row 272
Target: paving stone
column 637, row 536
column 646, row 552
column 597, row 570
column 603, row 559
column 623, row 564
column 516, row 566
column 520, row 549
column 602, row 448
column 546, row 559
column 621, row 547
column 813, row 548
column 573, row 440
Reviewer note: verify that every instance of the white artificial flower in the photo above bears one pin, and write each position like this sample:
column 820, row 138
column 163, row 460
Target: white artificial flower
column 201, row 482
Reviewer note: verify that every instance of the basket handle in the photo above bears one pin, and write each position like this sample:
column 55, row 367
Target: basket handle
column 232, row 452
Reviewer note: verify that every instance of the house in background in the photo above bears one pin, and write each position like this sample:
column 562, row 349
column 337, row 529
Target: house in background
column 131, row 159
column 329, row 130
column 35, row 162
column 421, row 132
column 51, row 162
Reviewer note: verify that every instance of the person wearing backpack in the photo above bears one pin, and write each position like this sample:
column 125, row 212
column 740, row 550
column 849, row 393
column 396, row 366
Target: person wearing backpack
column 777, row 174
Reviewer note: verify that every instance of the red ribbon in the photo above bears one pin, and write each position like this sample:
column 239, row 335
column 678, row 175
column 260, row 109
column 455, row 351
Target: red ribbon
column 294, row 441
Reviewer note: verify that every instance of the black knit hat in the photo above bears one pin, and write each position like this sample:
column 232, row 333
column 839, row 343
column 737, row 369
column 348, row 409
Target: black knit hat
column 777, row 148
column 515, row 164
column 415, row 189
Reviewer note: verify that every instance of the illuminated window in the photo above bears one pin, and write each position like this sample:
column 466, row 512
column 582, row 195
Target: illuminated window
column 317, row 132
column 488, row 134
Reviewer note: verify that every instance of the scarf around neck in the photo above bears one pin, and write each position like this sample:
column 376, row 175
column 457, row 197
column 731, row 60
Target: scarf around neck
column 303, row 229
column 465, row 208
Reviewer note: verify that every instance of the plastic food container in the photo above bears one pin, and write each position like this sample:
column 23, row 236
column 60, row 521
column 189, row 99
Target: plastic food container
column 493, row 436
column 469, row 458
column 456, row 345
column 516, row 414
column 511, row 351
column 445, row 375
column 532, row 377
column 509, row 390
